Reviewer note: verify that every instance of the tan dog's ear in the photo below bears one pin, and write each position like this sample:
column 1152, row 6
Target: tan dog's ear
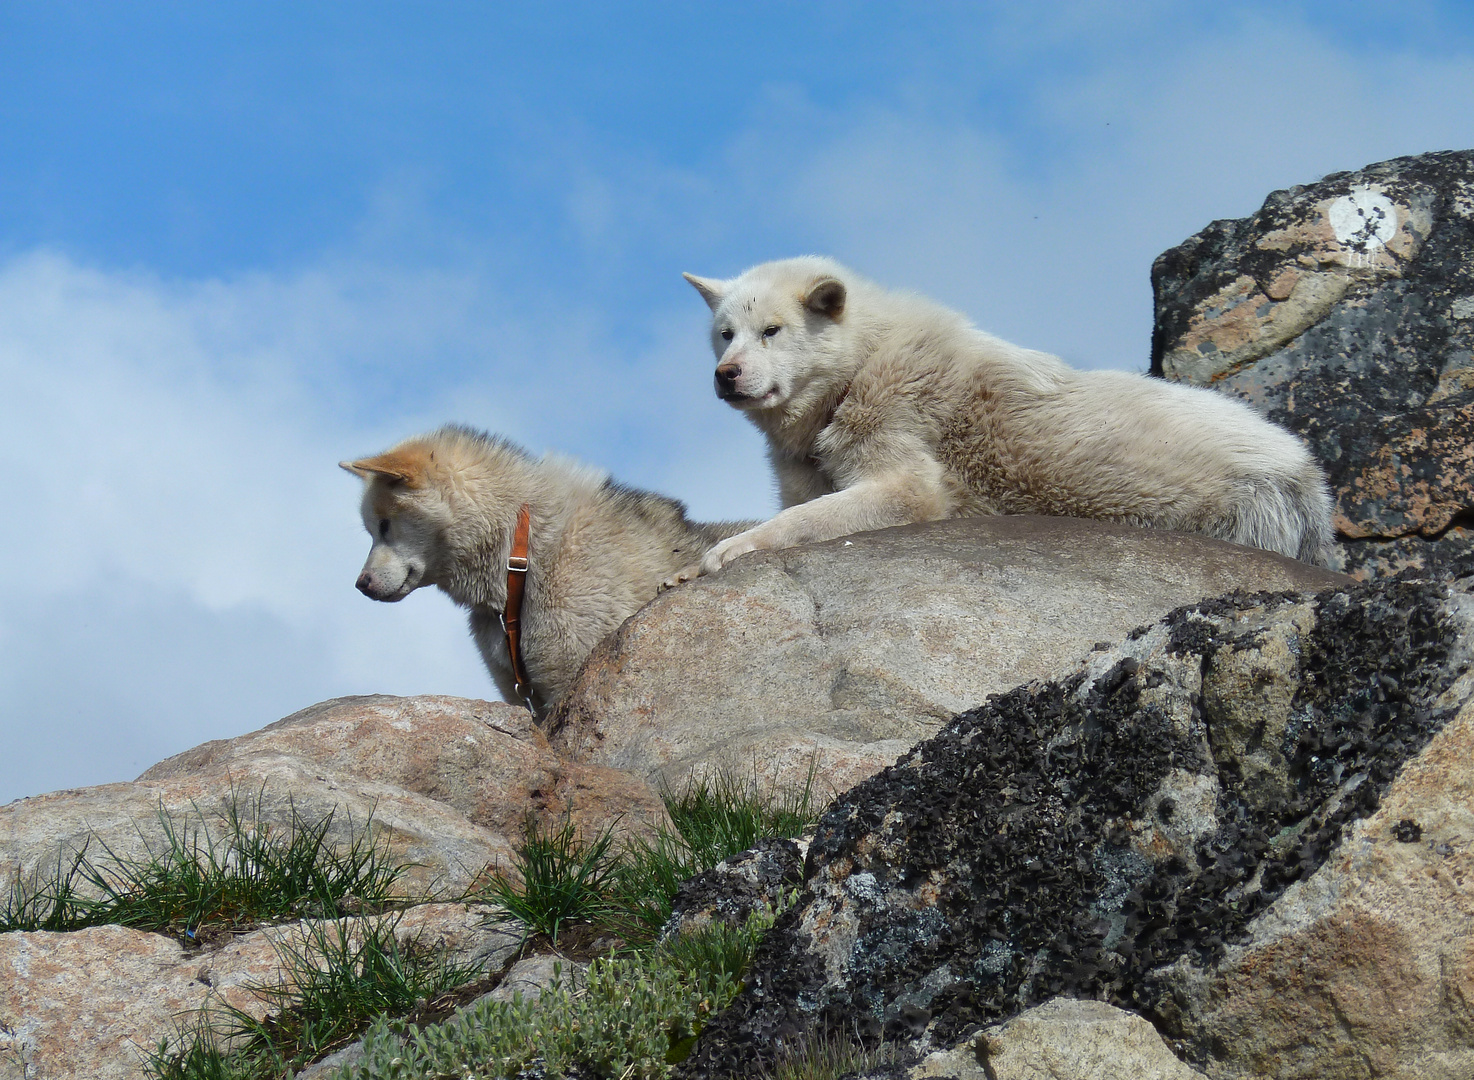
column 711, row 289
column 395, row 467
column 826, row 297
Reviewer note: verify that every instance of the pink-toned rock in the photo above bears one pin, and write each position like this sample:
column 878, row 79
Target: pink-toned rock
column 89, row 1005
column 443, row 852
column 448, row 783
column 486, row 759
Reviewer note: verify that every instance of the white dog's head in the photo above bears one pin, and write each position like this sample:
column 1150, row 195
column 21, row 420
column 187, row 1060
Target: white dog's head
column 406, row 513
column 777, row 330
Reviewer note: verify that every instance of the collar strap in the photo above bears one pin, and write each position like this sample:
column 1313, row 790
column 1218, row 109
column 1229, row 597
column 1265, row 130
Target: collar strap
column 512, row 615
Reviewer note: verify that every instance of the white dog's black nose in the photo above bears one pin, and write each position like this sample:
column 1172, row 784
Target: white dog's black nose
column 365, row 583
column 727, row 376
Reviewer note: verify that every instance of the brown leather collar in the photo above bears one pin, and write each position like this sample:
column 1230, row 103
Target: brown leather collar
column 512, row 615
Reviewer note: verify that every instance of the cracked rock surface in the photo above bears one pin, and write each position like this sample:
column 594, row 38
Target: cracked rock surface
column 847, row 653
column 1345, row 310
column 1250, row 824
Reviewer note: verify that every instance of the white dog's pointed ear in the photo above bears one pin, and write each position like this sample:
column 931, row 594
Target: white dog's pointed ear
column 826, row 297
column 711, row 289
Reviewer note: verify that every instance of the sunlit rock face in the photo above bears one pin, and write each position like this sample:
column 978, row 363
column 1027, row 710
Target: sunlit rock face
column 1345, row 310
column 841, row 656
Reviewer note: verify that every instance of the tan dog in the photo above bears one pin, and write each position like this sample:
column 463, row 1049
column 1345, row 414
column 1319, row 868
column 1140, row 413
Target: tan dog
column 441, row 509
column 883, row 408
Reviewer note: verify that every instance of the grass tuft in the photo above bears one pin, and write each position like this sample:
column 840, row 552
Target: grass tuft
column 720, row 815
column 339, row 976
column 45, row 903
column 832, row 1056
column 248, row 874
column 200, row 1057
column 561, row 878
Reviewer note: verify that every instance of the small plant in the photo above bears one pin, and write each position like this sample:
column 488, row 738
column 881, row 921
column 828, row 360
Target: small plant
column 563, row 878
column 200, row 1057
column 633, row 1018
column 250, row 874
column 714, row 818
column 720, row 815
column 718, row 948
column 646, row 877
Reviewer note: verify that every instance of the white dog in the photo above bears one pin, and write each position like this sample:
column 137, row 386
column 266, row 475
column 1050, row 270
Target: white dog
column 883, row 408
column 443, row 510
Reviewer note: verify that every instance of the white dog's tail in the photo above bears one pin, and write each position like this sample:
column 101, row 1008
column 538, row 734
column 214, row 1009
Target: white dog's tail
column 1290, row 514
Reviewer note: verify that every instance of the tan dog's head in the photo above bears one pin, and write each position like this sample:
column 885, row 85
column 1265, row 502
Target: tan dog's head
column 406, row 512
column 776, row 329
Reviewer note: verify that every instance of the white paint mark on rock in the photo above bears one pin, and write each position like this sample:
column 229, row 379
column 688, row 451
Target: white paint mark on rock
column 1363, row 219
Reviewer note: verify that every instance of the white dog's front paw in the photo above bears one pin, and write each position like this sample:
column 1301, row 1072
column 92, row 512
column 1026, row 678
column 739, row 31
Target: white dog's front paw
column 726, row 551
column 686, row 573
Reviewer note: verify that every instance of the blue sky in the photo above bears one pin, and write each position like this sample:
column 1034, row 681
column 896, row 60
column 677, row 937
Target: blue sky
column 241, row 242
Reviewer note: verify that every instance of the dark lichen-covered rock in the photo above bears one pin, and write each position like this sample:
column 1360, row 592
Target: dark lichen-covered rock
column 761, row 879
column 1345, row 309
column 1121, row 835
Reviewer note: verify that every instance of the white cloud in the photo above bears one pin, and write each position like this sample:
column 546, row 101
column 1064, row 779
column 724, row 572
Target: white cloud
column 181, row 546
column 1043, row 225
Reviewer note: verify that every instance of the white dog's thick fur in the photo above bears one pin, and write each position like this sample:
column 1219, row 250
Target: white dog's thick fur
column 883, row 408
column 442, row 507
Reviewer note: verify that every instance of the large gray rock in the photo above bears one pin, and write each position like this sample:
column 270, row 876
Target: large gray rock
column 1345, row 310
column 1248, row 824
column 846, row 653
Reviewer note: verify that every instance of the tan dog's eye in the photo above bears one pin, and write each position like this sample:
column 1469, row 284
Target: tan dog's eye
column 770, row 331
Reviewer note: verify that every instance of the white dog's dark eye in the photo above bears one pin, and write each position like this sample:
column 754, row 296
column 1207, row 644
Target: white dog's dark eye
column 770, row 331
column 383, row 528
column 726, row 334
